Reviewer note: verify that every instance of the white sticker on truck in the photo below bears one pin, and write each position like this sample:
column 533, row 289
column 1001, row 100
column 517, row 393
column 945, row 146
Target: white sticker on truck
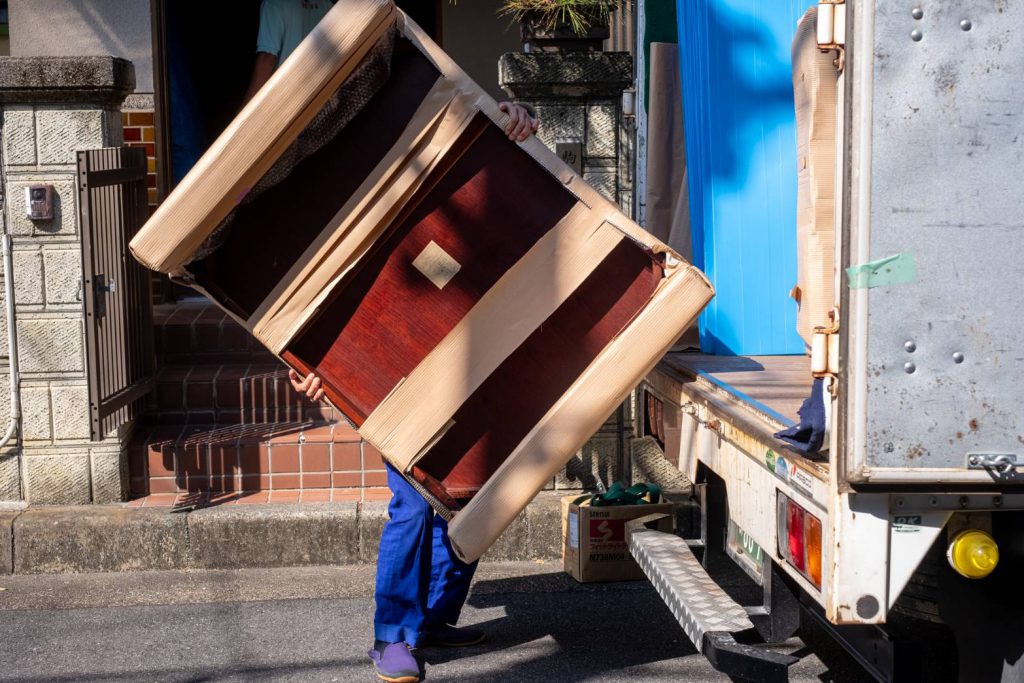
column 801, row 479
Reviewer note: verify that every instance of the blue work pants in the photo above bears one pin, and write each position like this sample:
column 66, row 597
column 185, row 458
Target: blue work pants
column 420, row 581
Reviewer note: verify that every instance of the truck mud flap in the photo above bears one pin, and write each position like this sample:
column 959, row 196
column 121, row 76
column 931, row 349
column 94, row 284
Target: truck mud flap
column 710, row 618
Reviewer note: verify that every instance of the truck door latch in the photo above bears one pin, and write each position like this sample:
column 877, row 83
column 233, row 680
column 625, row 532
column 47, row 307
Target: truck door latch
column 1001, row 463
column 825, row 348
column 832, row 29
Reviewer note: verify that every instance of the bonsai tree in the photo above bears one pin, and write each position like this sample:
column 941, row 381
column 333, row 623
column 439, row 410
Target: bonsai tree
column 549, row 15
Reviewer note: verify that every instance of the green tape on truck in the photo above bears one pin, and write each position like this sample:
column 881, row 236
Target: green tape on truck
column 892, row 270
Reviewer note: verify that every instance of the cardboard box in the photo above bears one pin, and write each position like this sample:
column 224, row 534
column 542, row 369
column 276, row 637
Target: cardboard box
column 594, row 546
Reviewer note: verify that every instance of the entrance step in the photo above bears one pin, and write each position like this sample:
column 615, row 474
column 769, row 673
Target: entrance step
column 279, row 456
column 224, row 419
column 194, row 331
column 225, row 394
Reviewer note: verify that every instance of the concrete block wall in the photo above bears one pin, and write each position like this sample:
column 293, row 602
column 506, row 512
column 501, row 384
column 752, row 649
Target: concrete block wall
column 49, row 110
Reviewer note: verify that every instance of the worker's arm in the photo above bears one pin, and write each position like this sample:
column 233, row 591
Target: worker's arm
column 312, row 386
column 261, row 72
column 522, row 123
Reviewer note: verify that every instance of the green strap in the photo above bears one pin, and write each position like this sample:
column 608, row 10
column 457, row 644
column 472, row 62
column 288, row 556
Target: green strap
column 617, row 494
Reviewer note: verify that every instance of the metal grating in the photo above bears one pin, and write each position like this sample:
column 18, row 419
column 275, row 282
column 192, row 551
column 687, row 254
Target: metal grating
column 120, row 361
column 700, row 604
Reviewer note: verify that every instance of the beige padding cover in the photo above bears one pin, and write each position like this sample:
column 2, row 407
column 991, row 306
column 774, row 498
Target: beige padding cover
column 579, row 413
column 816, row 99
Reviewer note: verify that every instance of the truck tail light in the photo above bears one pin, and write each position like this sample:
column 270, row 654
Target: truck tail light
column 800, row 538
column 795, row 535
column 813, row 544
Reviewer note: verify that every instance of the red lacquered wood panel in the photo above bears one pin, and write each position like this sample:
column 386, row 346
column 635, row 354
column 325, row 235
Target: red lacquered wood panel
column 271, row 233
column 486, row 210
column 496, row 418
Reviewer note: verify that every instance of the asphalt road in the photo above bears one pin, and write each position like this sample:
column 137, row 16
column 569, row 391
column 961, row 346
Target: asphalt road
column 313, row 624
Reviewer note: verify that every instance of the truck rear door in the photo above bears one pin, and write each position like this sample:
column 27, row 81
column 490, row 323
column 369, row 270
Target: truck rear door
column 934, row 244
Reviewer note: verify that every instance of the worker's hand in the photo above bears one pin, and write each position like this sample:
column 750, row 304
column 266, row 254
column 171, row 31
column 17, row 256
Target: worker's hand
column 311, row 386
column 521, row 125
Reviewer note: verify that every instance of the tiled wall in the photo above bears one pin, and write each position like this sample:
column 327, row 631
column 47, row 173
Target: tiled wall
column 224, row 419
column 140, row 131
column 243, row 458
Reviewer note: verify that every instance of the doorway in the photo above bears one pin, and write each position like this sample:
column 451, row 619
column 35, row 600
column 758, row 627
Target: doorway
column 203, row 58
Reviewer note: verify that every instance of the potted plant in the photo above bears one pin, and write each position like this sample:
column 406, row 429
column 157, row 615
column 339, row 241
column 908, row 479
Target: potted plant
column 561, row 25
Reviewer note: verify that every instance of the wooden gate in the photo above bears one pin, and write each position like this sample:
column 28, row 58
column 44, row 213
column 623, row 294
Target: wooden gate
column 118, row 311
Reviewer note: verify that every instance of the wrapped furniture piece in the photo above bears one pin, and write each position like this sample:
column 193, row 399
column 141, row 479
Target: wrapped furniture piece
column 472, row 305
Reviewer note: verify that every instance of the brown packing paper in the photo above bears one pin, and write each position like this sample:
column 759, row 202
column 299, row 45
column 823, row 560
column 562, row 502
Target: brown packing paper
column 668, row 195
column 594, row 543
column 668, row 198
column 816, row 100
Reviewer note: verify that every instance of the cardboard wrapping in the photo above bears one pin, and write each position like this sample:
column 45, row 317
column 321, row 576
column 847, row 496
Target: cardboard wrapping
column 668, row 197
column 580, row 413
column 444, row 297
column 815, row 96
column 668, row 194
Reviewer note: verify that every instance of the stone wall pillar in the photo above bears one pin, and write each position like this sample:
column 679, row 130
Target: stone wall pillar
column 51, row 108
column 578, row 98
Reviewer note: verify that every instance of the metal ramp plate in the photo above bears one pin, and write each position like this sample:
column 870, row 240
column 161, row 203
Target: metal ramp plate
column 700, row 605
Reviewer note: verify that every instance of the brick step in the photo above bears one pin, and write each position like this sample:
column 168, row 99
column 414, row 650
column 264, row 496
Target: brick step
column 195, row 331
column 223, row 394
column 186, row 459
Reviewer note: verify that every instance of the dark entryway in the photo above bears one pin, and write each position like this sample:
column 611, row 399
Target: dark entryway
column 204, row 54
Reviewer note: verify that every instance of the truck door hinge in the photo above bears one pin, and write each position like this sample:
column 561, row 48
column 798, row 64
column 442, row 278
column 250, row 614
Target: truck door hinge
column 825, row 348
column 832, row 29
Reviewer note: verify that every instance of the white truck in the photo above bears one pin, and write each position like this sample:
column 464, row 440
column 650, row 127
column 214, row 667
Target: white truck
column 905, row 535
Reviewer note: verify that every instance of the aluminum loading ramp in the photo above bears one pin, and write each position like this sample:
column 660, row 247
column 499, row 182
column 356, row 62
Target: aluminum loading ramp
column 710, row 618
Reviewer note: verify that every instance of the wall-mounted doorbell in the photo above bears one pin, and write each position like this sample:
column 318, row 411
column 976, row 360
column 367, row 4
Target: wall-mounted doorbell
column 39, row 200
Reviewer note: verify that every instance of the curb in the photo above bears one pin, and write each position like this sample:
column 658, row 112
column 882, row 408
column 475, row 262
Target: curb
column 115, row 538
column 7, row 540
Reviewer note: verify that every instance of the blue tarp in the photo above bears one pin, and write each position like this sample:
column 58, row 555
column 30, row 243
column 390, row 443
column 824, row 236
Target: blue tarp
column 741, row 157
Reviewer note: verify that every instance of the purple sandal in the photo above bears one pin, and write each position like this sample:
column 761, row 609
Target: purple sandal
column 395, row 663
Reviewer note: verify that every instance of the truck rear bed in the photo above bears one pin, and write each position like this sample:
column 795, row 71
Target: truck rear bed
column 745, row 399
column 773, row 386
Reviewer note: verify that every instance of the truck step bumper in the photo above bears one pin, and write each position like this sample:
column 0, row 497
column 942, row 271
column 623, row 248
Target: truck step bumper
column 707, row 614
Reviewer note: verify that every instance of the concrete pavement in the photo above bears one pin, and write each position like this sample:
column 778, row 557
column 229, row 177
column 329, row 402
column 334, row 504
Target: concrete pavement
column 313, row 624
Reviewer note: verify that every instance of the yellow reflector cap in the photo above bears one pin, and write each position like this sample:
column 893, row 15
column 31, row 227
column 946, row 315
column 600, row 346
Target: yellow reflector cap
column 973, row 554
